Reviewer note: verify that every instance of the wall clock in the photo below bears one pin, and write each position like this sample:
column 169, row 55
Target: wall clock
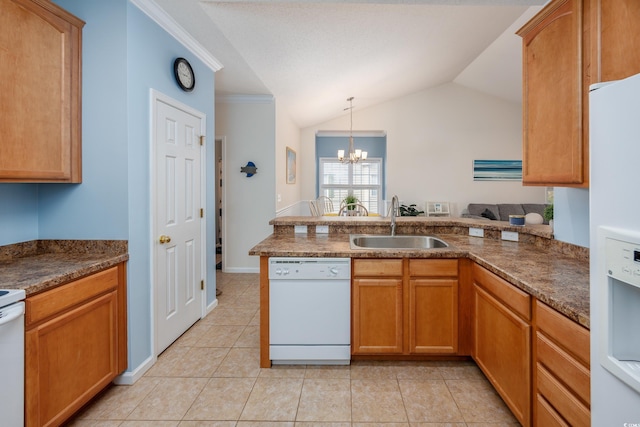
column 184, row 74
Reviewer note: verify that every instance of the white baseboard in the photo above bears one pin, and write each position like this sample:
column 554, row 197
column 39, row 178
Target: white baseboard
column 211, row 306
column 130, row 377
column 242, row 270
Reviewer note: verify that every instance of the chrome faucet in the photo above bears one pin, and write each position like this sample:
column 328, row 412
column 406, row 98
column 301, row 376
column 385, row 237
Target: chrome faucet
column 394, row 211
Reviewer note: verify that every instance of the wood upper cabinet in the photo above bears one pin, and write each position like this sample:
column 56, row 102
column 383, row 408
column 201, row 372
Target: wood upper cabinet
column 403, row 306
column 502, row 339
column 75, row 345
column 40, row 92
column 555, row 61
column 567, row 46
column 615, row 45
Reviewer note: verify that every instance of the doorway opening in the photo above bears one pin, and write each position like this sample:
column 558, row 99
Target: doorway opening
column 218, row 190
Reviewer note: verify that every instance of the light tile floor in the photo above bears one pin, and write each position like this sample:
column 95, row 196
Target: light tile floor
column 211, row 377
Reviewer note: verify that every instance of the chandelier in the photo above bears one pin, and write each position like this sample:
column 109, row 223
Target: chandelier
column 354, row 155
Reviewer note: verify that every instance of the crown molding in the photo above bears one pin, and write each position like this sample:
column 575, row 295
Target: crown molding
column 244, row 99
column 167, row 23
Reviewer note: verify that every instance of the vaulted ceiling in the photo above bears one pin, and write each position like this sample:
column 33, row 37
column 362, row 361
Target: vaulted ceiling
column 313, row 55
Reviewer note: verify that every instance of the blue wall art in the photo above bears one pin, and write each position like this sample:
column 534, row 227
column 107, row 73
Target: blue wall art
column 497, row 170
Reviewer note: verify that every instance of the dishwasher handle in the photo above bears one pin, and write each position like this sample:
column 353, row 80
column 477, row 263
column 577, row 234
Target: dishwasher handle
column 9, row 314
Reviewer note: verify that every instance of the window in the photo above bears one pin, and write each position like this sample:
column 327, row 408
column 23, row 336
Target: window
column 362, row 179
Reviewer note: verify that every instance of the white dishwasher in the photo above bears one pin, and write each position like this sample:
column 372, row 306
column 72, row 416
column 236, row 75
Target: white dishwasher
column 12, row 357
column 310, row 310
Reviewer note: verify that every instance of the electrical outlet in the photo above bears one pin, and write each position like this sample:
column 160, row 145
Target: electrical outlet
column 322, row 229
column 510, row 235
column 279, row 198
column 300, row 229
column 476, row 232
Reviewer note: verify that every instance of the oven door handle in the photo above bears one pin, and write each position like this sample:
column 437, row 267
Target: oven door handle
column 9, row 314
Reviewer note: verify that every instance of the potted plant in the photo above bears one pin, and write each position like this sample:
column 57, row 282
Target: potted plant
column 349, row 200
column 349, row 203
column 548, row 214
column 410, row 210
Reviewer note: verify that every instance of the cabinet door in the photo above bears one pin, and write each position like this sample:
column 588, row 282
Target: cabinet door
column 616, row 40
column 555, row 146
column 377, row 316
column 69, row 359
column 40, row 67
column 502, row 349
column 433, row 316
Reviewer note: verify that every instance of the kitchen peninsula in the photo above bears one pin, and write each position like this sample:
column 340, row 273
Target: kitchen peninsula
column 521, row 308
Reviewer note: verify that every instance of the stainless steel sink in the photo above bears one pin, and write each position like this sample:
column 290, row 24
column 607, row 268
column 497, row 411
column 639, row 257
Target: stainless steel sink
column 375, row 241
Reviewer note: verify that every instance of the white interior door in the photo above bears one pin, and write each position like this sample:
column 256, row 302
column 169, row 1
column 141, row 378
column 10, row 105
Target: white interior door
column 178, row 246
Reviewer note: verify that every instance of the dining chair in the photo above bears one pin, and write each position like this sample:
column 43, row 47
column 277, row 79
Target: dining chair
column 353, row 209
column 313, row 208
column 324, row 205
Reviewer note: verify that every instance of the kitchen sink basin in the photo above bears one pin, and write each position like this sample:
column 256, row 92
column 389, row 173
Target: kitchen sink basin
column 375, row 241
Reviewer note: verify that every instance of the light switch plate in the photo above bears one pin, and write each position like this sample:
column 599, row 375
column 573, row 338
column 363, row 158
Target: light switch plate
column 476, row 232
column 300, row 229
column 322, row 229
column 510, row 235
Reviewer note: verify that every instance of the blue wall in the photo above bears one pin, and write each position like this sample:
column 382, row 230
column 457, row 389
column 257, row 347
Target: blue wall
column 375, row 146
column 571, row 215
column 18, row 213
column 125, row 55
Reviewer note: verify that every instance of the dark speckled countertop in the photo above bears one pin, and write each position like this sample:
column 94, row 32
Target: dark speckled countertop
column 40, row 265
column 554, row 272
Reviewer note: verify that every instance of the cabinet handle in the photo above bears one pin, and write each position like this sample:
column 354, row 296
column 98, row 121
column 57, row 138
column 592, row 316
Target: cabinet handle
column 164, row 239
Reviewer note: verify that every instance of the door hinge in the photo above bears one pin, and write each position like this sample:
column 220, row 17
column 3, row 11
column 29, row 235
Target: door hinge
column 202, row 139
column 202, row 285
column 201, row 213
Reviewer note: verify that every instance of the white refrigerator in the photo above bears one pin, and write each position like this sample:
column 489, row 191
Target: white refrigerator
column 614, row 204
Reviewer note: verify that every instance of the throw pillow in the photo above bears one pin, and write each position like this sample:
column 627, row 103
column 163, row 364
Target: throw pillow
column 488, row 214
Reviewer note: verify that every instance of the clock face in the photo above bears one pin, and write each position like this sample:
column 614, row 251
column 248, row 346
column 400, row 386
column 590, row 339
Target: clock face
column 184, row 74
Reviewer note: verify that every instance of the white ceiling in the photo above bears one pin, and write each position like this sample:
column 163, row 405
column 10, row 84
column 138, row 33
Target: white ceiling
column 313, row 55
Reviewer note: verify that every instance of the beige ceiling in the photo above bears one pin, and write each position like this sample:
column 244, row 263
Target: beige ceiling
column 313, row 55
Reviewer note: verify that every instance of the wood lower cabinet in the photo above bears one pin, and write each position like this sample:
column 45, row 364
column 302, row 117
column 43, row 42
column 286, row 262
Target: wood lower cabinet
column 75, row 345
column 433, row 306
column 40, row 92
column 502, row 339
column 377, row 307
column 403, row 306
column 561, row 370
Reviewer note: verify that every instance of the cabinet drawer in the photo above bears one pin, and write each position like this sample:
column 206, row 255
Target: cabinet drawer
column 514, row 298
column 46, row 304
column 562, row 400
column 546, row 416
column 377, row 267
column 433, row 267
column 564, row 367
column 573, row 337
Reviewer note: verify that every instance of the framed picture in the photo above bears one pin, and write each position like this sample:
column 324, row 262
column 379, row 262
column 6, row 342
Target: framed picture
column 291, row 166
column 497, row 170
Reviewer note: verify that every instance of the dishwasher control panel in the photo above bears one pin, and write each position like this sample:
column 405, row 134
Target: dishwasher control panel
column 294, row 268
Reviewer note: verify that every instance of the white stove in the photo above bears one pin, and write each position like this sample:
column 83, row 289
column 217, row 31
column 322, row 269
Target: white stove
column 10, row 296
column 12, row 356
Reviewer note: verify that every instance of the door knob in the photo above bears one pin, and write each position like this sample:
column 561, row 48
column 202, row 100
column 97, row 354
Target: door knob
column 164, row 239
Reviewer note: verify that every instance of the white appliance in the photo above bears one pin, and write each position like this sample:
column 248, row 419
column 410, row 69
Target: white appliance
column 12, row 358
column 310, row 310
column 614, row 210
